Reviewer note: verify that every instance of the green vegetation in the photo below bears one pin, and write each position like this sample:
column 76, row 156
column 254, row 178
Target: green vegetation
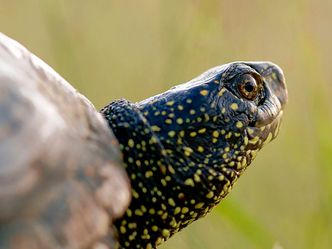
column 135, row 49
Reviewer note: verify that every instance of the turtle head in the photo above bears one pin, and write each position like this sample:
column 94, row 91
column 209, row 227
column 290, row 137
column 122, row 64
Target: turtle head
column 184, row 149
column 222, row 117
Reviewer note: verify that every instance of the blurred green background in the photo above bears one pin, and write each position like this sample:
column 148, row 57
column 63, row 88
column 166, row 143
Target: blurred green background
column 135, row 49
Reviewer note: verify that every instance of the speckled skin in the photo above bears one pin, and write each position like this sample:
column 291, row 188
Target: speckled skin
column 185, row 148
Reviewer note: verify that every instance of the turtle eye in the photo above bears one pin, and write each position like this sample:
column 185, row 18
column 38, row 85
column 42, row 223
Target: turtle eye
column 248, row 87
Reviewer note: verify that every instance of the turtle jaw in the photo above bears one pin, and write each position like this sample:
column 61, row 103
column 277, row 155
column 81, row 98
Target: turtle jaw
column 259, row 136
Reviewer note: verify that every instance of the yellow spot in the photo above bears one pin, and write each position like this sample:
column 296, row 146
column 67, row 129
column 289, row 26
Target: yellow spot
column 154, row 228
column 185, row 210
column 171, row 202
column 173, row 223
column 201, row 130
column 215, row 134
column 131, row 143
column 143, row 208
column 197, row 178
column 234, row 106
column 171, row 169
column 152, row 211
column 170, row 103
column 123, row 229
column 129, row 213
column 153, row 140
column 148, row 246
column 189, row 182
column 187, row 151
column 246, row 140
column 193, row 134
column 177, row 210
column 131, row 237
column 223, row 110
column 163, row 182
column 200, row 148
column 210, row 195
column 155, row 128
column 254, row 140
column 228, row 135
column 244, row 162
column 135, row 194
column 199, row 205
column 204, row 92
column 164, row 216
column 180, row 107
column 132, row 225
column 168, row 121
column 171, row 133
column 222, row 92
column 250, row 131
column 179, row 121
column 148, row 174
column 192, row 111
column 239, row 124
column 165, row 233
column 138, row 212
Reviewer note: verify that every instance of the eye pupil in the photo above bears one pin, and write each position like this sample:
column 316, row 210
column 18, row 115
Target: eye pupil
column 249, row 87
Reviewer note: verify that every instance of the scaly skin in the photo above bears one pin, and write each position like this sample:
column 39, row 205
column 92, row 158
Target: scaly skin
column 185, row 148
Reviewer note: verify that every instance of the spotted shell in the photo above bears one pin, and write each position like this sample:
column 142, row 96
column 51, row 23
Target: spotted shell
column 61, row 183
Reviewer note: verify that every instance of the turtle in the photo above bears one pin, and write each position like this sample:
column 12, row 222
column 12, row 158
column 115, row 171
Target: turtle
column 132, row 174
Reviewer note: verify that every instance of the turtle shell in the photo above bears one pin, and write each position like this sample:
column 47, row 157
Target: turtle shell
column 61, row 183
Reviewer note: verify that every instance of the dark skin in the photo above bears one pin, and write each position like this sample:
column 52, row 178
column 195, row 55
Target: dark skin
column 185, row 148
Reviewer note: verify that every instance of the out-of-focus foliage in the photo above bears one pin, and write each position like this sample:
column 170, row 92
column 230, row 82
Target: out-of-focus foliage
column 135, row 49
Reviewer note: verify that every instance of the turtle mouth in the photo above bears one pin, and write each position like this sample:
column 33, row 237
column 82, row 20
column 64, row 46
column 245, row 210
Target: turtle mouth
column 260, row 135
